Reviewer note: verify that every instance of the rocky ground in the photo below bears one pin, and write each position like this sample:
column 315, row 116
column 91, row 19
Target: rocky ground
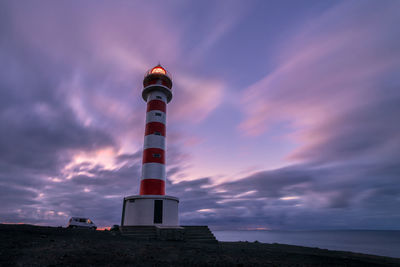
column 27, row 245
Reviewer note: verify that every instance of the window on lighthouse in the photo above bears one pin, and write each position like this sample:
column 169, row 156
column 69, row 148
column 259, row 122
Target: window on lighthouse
column 157, row 133
column 156, row 155
column 158, row 114
column 159, row 97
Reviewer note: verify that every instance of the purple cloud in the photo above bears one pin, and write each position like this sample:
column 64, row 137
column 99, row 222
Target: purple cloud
column 72, row 118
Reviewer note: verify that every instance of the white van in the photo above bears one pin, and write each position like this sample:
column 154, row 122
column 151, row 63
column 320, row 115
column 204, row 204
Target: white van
column 77, row 222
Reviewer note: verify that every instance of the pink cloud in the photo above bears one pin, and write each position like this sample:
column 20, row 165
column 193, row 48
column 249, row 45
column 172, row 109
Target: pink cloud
column 108, row 47
column 195, row 98
column 333, row 66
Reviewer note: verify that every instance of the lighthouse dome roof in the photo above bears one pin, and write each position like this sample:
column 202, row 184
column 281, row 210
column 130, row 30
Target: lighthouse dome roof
column 158, row 70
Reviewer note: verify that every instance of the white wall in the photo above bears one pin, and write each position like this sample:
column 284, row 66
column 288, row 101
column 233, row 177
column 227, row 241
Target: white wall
column 141, row 211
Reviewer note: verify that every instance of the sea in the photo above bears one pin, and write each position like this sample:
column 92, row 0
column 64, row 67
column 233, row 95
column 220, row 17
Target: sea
column 376, row 242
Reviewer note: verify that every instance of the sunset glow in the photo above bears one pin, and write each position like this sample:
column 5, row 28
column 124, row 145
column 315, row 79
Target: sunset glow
column 285, row 115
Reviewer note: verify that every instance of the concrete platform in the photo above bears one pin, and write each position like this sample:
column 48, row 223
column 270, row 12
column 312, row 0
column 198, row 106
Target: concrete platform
column 182, row 233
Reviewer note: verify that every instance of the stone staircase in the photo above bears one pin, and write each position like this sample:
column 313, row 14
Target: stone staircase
column 140, row 232
column 199, row 234
column 183, row 233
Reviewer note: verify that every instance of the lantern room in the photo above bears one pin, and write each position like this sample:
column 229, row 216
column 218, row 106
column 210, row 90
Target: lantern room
column 157, row 78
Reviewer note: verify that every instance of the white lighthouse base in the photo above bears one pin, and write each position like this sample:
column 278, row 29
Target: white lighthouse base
column 150, row 210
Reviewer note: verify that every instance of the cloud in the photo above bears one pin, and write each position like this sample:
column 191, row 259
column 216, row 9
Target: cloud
column 72, row 118
column 334, row 64
column 366, row 134
column 195, row 98
column 296, row 197
column 335, row 84
column 221, row 19
column 70, row 107
column 100, row 54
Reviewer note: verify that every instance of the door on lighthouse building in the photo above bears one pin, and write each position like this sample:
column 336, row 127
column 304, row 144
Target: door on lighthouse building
column 158, row 211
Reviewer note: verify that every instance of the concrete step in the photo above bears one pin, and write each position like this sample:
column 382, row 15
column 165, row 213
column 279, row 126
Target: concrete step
column 140, row 231
column 184, row 233
column 200, row 238
column 197, row 235
column 136, row 233
column 138, row 228
column 195, row 227
column 197, row 232
column 141, row 234
column 203, row 240
column 143, row 237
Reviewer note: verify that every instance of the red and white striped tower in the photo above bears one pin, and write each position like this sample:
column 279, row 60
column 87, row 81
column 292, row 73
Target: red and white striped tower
column 152, row 206
column 157, row 93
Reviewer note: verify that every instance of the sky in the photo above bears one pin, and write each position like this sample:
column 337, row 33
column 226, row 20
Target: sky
column 285, row 114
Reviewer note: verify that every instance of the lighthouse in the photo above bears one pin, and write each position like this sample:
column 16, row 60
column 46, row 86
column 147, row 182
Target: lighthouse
column 152, row 214
column 157, row 93
column 152, row 207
